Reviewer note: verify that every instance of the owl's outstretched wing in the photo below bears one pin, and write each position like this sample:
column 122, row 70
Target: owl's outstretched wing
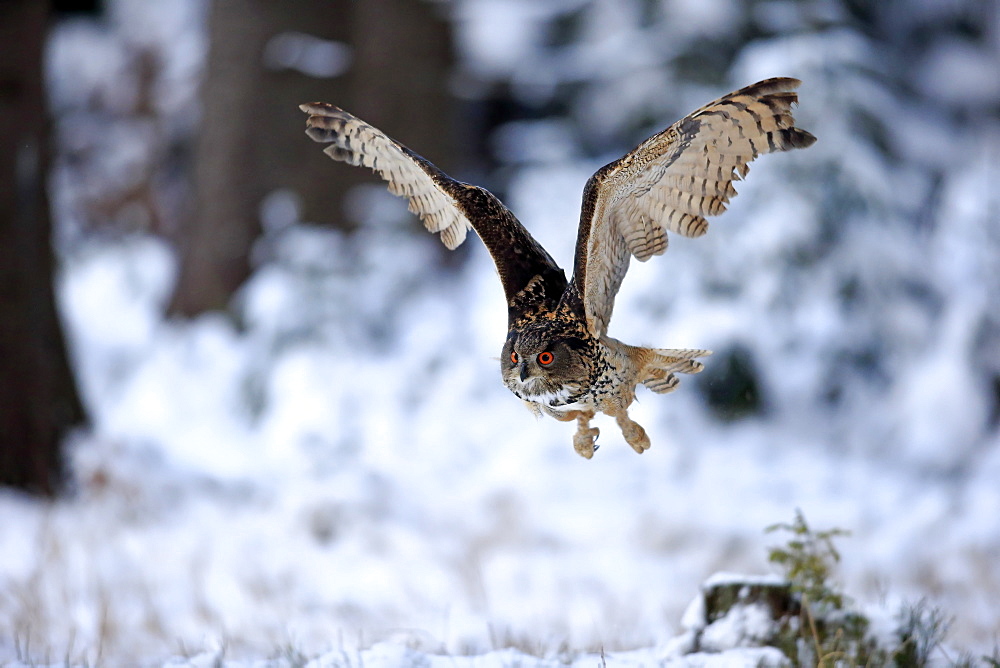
column 445, row 206
column 672, row 181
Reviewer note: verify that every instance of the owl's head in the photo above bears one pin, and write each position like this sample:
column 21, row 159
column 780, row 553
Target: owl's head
column 545, row 366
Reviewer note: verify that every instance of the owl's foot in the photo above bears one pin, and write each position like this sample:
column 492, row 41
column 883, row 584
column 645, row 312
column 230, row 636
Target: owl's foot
column 585, row 438
column 634, row 434
column 585, row 441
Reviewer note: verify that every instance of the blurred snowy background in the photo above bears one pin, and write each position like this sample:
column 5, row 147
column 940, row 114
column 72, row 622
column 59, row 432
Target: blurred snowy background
column 324, row 455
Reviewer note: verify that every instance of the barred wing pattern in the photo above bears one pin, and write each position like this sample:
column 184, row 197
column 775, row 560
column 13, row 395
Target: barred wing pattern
column 672, row 181
column 357, row 143
column 531, row 279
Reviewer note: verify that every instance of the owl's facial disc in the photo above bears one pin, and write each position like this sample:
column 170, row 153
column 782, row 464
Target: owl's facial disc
column 542, row 368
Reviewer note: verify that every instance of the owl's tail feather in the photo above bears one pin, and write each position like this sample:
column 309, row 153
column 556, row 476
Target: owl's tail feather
column 663, row 363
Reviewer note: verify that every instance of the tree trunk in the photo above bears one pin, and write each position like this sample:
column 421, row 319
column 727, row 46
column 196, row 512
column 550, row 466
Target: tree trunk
column 252, row 138
column 38, row 396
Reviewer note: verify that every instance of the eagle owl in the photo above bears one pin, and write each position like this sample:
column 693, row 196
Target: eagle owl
column 557, row 356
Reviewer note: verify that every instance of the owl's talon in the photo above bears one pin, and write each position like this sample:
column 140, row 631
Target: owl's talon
column 641, row 443
column 585, row 441
column 633, row 432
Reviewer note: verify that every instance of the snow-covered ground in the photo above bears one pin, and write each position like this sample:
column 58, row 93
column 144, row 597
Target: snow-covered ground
column 343, row 475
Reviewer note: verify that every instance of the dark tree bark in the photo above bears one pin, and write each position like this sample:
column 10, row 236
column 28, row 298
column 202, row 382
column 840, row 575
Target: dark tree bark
column 252, row 140
column 38, row 396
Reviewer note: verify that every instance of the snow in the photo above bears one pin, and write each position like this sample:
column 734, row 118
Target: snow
column 726, row 578
column 392, row 655
column 694, row 615
column 960, row 72
column 310, row 55
column 334, row 467
column 743, row 625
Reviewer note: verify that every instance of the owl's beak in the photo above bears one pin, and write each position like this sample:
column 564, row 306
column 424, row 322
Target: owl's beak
column 523, row 373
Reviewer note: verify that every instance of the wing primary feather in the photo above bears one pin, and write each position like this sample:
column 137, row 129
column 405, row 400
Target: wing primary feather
column 672, row 182
column 429, row 190
column 445, row 206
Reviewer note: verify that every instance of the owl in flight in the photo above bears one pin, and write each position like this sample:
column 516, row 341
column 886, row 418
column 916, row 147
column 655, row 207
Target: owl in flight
column 558, row 357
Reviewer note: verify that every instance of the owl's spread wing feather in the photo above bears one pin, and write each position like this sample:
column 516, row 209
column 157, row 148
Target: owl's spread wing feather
column 408, row 175
column 672, row 181
column 528, row 273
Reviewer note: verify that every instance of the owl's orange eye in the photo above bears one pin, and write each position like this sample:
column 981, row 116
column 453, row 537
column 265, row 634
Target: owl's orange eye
column 513, row 357
column 546, row 358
